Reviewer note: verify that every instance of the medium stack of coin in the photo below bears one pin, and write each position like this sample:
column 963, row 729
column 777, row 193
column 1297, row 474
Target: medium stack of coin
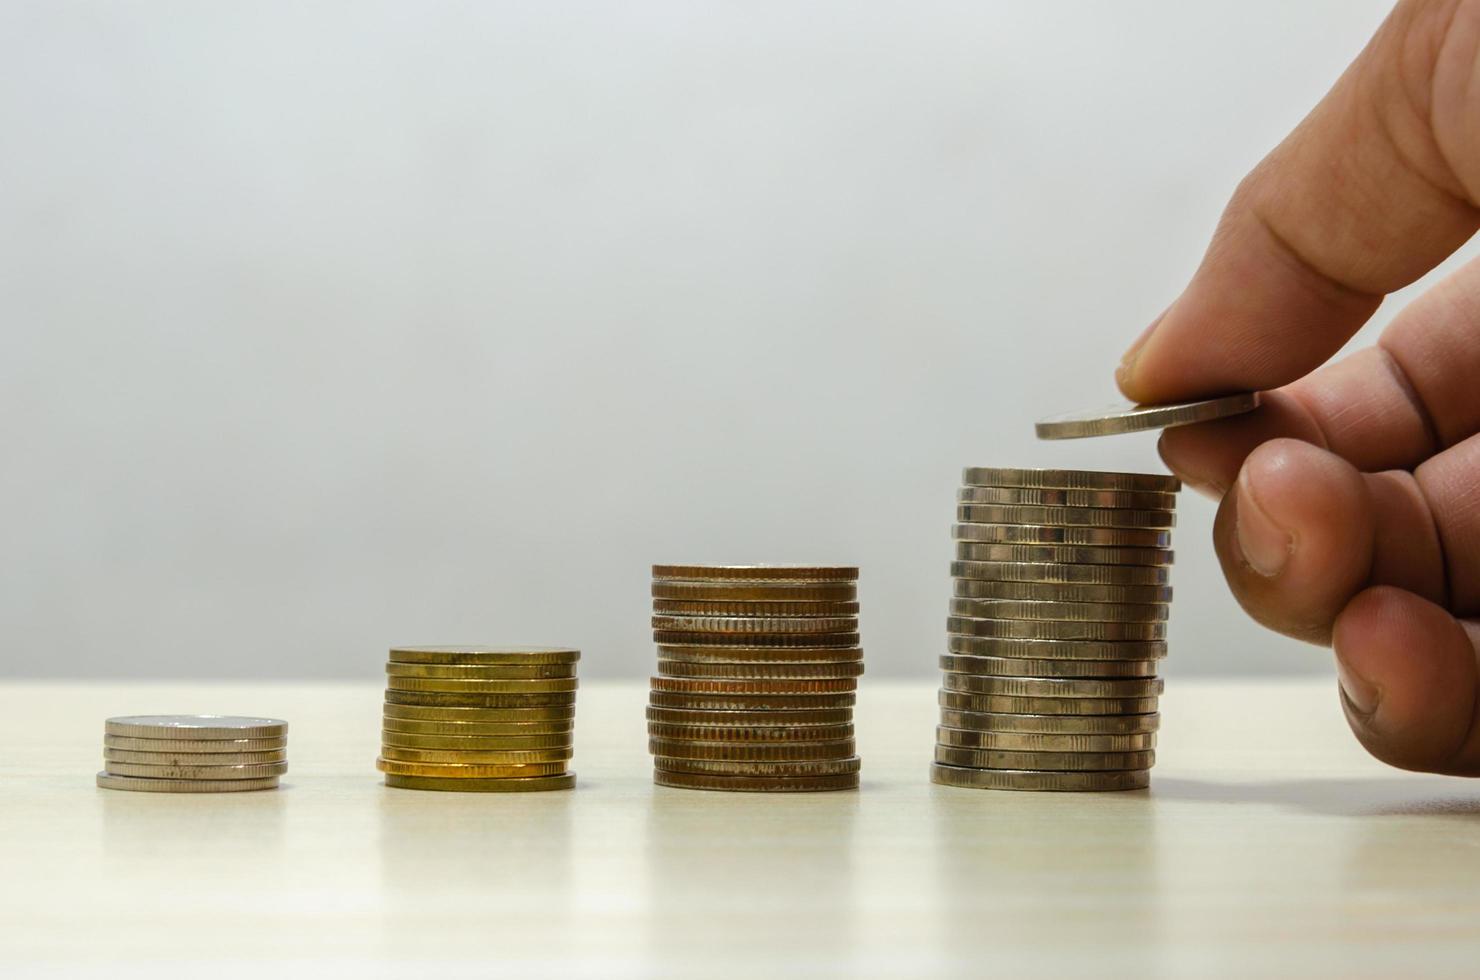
column 1057, row 622
column 193, row 753
column 758, row 666
column 478, row 719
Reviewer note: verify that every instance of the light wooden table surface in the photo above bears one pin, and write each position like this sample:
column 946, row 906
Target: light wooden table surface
column 1268, row 845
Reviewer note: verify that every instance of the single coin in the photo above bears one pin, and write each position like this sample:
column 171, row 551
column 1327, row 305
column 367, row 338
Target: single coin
column 1094, row 612
column 1051, row 724
column 1107, row 537
column 178, row 759
column 108, row 780
column 1044, row 761
column 735, row 733
column 758, row 573
column 260, row 771
column 991, row 646
column 755, row 784
column 480, row 655
column 1064, row 516
column 815, row 767
column 1041, row 629
column 440, row 699
column 482, row 672
column 742, row 655
column 506, row 784
column 674, row 748
column 1055, row 573
column 756, row 591
column 515, row 745
column 481, row 716
column 1119, row 419
column 1058, row 497
column 475, row 743
column 786, row 719
column 688, row 607
column 990, row 476
column 696, row 639
column 749, row 702
column 396, row 753
column 970, row 588
column 477, row 729
column 965, row 738
column 550, row 685
column 1021, row 667
column 1060, row 554
column 761, row 671
column 1032, row 629
column 747, row 624
column 730, row 686
column 1054, row 687
column 225, row 745
column 1066, row 782
column 195, row 726
column 468, row 770
column 1010, row 705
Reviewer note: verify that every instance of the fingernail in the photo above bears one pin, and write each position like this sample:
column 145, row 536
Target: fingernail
column 1266, row 546
column 1128, row 359
column 1359, row 692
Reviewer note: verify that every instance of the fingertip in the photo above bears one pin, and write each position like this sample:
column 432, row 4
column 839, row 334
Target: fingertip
column 1408, row 677
column 1185, row 451
column 1294, row 536
column 1126, row 375
column 1300, row 486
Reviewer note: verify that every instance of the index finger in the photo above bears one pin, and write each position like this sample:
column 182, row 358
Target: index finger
column 1362, row 198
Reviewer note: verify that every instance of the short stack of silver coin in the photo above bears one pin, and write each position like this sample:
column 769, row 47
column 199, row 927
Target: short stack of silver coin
column 193, row 753
column 1057, row 623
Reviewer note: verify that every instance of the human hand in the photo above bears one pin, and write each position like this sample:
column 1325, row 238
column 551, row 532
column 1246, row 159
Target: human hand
column 1350, row 508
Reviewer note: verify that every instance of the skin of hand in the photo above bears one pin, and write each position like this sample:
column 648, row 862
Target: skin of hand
column 1350, row 501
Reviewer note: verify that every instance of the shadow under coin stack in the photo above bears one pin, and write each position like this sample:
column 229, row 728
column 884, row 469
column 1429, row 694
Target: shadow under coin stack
column 1062, row 588
column 758, row 666
column 479, row 719
column 193, row 753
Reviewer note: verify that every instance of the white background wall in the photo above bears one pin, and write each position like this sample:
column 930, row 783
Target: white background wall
column 333, row 325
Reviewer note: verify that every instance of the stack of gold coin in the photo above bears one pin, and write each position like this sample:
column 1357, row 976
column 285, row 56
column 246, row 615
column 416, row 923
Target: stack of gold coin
column 193, row 753
column 1059, row 617
column 758, row 666
column 478, row 719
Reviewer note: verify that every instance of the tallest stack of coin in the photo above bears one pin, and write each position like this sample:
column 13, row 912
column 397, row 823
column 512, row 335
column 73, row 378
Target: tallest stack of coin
column 1058, row 619
column 757, row 669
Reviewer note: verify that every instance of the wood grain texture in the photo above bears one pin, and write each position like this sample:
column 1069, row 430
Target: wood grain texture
column 1268, row 845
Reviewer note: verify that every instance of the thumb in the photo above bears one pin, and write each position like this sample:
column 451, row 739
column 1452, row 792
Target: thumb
column 1368, row 193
